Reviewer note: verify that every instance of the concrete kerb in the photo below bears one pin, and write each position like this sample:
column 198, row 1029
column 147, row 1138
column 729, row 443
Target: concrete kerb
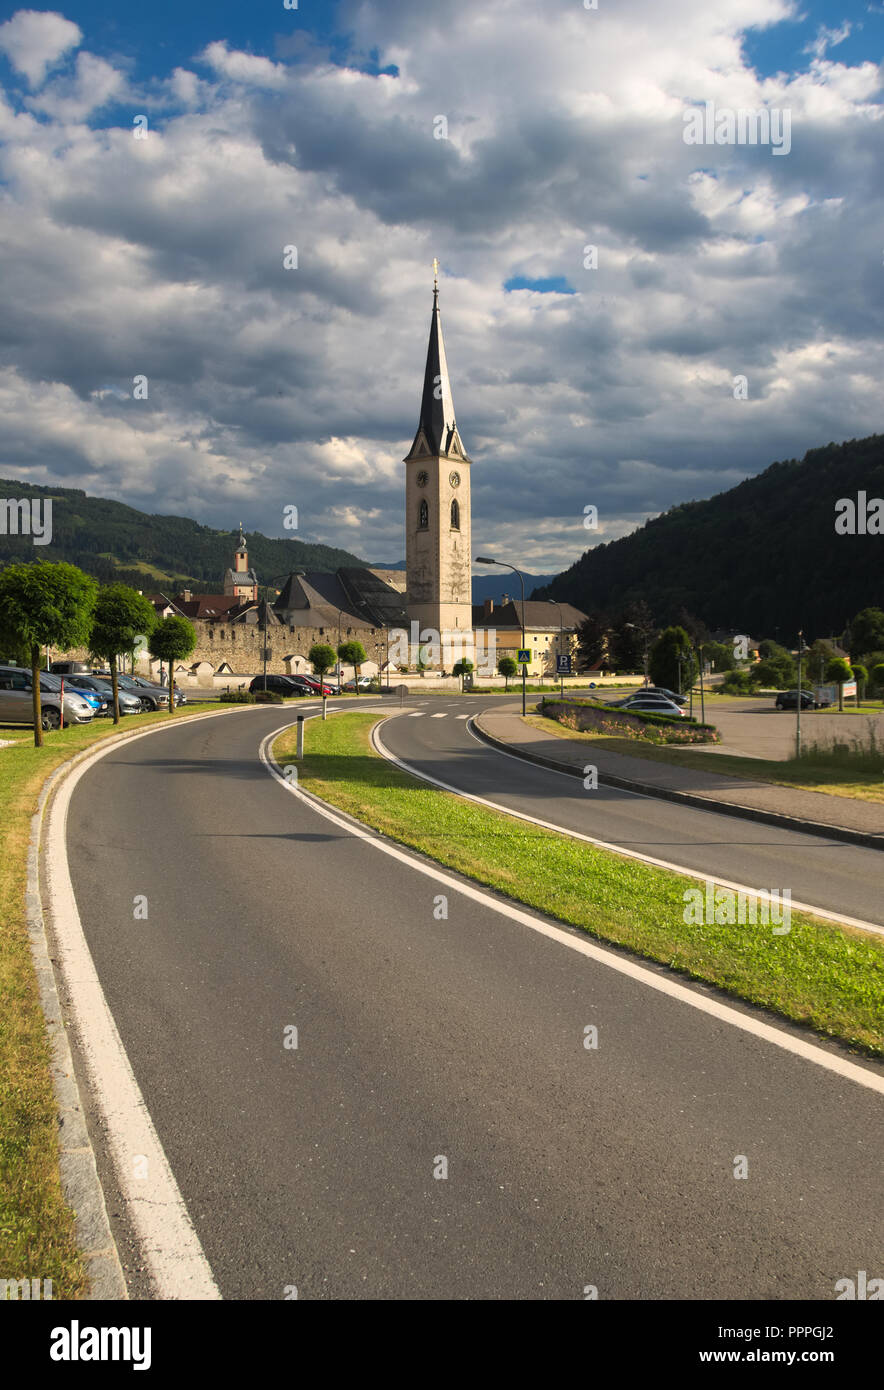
column 704, row 803
column 81, row 1185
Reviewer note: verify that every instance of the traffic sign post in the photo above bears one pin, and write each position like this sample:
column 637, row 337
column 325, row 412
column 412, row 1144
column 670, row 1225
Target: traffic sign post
column 563, row 667
column 523, row 657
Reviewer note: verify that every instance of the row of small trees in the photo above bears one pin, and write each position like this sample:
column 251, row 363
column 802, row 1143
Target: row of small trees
column 57, row 605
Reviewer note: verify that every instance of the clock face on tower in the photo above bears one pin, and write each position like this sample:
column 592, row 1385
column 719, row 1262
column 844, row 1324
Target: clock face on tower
column 423, row 478
column 454, row 479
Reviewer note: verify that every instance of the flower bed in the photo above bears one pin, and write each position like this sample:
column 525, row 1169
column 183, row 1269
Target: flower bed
column 587, row 716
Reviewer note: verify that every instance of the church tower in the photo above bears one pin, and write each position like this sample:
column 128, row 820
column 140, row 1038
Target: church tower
column 241, row 582
column 437, row 505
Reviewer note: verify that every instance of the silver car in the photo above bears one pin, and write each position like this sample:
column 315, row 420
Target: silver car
column 17, row 701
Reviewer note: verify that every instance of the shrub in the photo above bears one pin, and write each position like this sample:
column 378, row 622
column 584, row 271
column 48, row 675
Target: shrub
column 586, row 716
column 267, row 697
column 238, row 697
column 736, row 683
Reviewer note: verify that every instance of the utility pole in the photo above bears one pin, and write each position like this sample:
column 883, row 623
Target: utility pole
column 798, row 701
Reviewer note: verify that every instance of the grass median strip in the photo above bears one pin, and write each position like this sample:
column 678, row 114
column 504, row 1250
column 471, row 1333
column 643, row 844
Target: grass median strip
column 36, row 1228
column 828, row 977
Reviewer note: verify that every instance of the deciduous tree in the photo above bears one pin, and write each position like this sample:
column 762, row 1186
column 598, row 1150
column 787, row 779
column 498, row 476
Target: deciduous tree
column 121, row 616
column 173, row 639
column 45, row 605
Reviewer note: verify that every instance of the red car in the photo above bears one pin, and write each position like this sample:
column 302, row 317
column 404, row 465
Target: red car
column 319, row 686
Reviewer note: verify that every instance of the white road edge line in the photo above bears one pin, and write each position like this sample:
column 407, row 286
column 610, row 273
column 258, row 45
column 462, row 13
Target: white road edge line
column 837, row 917
column 175, row 1258
column 745, row 1022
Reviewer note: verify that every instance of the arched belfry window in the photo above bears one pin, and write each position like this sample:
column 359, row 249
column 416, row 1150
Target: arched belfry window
column 423, row 516
column 455, row 515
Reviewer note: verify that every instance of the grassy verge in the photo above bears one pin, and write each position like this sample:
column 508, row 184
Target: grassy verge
column 860, row 784
column 36, row 1228
column 827, row 977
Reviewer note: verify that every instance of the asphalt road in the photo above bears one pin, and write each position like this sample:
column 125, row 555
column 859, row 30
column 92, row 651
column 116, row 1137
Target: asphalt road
column 421, row 1039
column 825, row 873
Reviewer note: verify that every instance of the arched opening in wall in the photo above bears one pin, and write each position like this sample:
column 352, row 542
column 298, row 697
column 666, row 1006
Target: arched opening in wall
column 423, row 515
column 455, row 515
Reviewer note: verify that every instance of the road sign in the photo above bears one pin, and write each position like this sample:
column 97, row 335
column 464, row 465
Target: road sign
column 524, row 656
column 563, row 665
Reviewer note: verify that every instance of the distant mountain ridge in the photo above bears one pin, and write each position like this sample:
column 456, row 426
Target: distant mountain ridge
column 761, row 557
column 112, row 540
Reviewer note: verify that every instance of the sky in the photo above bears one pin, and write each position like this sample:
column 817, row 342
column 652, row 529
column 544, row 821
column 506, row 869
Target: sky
column 158, row 160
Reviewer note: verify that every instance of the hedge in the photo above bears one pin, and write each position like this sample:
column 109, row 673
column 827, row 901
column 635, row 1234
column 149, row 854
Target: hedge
column 636, row 724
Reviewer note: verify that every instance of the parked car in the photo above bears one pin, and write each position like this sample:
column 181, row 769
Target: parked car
column 151, row 695
column 17, row 707
column 788, row 699
column 142, row 683
column 304, row 684
column 69, row 668
column 52, row 684
column 320, row 687
column 653, row 704
column 667, row 694
column 365, row 683
column 129, row 703
column 287, row 686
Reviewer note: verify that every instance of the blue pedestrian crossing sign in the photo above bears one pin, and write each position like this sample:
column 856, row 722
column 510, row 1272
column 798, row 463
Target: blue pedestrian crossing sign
column 524, row 656
column 563, row 665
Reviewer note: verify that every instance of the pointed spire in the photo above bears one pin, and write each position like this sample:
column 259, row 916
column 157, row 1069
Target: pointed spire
column 437, row 424
column 242, row 539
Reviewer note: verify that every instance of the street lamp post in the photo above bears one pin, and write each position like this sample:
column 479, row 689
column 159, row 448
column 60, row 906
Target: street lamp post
column 485, row 560
column 798, row 701
column 561, row 639
column 646, row 648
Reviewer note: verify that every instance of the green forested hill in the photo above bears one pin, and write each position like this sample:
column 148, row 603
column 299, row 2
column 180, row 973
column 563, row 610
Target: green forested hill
column 763, row 555
column 113, row 541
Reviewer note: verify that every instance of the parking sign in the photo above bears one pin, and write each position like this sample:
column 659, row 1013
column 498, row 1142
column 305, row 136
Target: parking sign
column 563, row 665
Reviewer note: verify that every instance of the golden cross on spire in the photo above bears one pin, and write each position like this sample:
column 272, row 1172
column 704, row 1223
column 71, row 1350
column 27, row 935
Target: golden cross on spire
column 435, row 273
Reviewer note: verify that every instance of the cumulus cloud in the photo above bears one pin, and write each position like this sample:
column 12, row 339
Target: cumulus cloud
column 271, row 386
column 93, row 85
column 34, row 40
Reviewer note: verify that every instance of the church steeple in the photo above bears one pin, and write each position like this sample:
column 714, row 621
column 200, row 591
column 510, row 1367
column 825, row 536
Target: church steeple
column 437, row 435
column 241, row 582
column 437, row 507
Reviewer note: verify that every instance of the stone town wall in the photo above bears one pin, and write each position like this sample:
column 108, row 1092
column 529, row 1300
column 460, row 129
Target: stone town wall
column 242, row 647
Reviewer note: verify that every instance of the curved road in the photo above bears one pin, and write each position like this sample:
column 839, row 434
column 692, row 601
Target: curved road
column 825, row 873
column 421, row 1040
